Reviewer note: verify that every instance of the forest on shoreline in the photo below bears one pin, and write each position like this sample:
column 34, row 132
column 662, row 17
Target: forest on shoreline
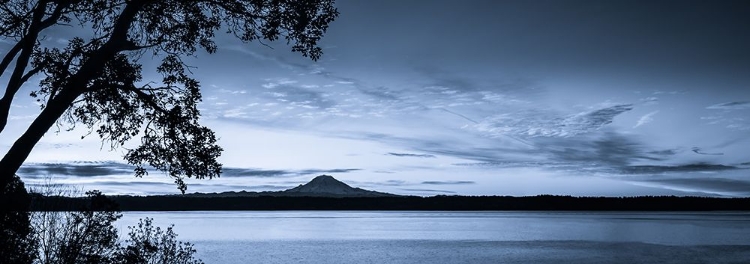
column 432, row 203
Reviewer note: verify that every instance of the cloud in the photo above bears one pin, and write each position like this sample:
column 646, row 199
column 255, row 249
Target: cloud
column 232, row 91
column 736, row 122
column 82, row 169
column 276, row 83
column 319, row 171
column 645, row 119
column 649, row 100
column 698, row 150
column 598, row 118
column 447, row 182
column 541, row 124
column 515, row 164
column 666, row 152
column 607, row 150
column 658, row 169
column 381, row 93
column 302, row 96
column 130, row 187
column 429, row 191
column 721, row 186
column 379, row 183
column 459, row 115
column 410, row 155
column 244, row 172
column 248, row 172
column 739, row 105
column 109, row 168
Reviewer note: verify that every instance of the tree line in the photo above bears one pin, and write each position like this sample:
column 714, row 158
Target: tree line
column 440, row 202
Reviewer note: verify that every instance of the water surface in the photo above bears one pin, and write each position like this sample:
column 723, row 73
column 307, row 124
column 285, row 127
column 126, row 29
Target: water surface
column 459, row 237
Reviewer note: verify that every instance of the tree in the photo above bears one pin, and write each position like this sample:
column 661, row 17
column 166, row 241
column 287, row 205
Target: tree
column 96, row 80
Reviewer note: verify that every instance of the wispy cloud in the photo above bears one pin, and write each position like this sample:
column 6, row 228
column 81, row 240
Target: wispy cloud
column 698, row 150
column 447, row 182
column 738, row 105
column 656, row 169
column 109, row 168
column 545, row 124
column 82, row 169
column 649, row 100
column 666, row 152
column 420, row 190
column 707, row 185
column 278, row 82
column 410, row 155
column 645, row 119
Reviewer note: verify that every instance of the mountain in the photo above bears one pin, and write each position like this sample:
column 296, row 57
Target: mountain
column 320, row 186
column 326, row 185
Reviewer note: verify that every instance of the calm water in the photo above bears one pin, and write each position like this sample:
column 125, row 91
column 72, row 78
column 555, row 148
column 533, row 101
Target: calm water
column 459, row 237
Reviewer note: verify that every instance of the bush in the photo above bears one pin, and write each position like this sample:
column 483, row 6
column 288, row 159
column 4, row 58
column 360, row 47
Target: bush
column 87, row 234
column 149, row 244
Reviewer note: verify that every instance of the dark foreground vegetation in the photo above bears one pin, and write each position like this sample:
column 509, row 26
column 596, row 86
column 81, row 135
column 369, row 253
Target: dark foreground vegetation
column 84, row 232
column 450, row 203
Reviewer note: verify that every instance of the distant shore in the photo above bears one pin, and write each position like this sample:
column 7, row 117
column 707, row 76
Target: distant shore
column 402, row 203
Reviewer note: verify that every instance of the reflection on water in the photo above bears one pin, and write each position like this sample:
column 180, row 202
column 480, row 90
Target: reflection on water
column 468, row 237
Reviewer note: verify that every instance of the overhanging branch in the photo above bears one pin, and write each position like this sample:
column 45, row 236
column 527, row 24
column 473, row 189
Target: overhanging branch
column 146, row 98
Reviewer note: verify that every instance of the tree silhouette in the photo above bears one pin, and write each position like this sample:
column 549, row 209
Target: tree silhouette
column 96, row 81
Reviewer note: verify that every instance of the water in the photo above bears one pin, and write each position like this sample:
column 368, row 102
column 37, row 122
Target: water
column 459, row 237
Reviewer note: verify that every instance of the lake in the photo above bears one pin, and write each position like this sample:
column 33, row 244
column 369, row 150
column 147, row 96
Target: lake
column 459, row 237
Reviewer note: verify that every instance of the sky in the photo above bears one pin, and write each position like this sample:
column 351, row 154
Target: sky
column 583, row 98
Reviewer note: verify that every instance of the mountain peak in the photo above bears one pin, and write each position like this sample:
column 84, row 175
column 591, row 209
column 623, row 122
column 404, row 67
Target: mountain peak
column 324, row 178
column 326, row 181
column 326, row 185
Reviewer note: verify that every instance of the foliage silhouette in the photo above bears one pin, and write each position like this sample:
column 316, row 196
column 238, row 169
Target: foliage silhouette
column 149, row 244
column 96, row 80
column 84, row 235
column 16, row 242
column 87, row 234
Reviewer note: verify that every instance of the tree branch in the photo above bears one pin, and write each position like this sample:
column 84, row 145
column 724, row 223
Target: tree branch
column 32, row 72
column 146, row 98
column 9, row 56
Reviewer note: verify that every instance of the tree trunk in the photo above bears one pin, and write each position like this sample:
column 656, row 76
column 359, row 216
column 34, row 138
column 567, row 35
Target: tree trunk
column 15, row 82
column 21, row 149
column 5, row 104
column 16, row 78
